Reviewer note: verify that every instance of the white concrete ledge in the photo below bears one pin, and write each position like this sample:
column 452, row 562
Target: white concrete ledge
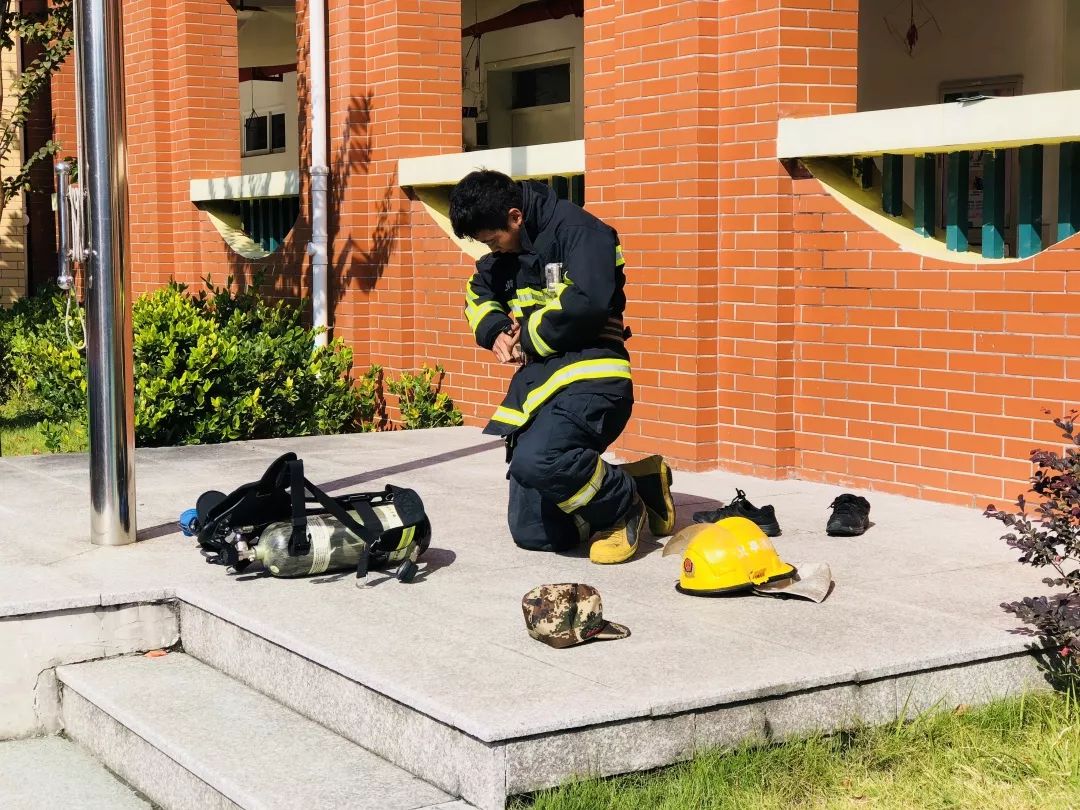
column 542, row 160
column 983, row 124
column 247, row 186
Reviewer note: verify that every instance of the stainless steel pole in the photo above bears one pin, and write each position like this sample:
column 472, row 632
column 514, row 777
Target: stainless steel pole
column 102, row 174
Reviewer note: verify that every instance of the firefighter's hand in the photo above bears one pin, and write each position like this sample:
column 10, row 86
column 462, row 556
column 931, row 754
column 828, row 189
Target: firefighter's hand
column 505, row 344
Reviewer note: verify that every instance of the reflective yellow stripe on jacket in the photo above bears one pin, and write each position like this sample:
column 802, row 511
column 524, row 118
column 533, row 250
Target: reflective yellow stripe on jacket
column 539, row 344
column 526, row 297
column 583, row 370
column 474, row 310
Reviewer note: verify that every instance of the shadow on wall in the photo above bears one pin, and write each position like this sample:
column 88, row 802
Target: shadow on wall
column 366, row 268
column 355, row 263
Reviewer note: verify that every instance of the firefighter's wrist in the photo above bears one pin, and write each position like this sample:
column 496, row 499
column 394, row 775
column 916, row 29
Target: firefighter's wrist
column 490, row 332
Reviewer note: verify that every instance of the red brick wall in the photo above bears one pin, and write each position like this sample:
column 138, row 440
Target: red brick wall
column 651, row 116
column 41, row 234
column 396, row 93
column 775, row 334
column 181, row 86
column 475, row 382
column 778, row 59
column 924, row 377
column 682, row 101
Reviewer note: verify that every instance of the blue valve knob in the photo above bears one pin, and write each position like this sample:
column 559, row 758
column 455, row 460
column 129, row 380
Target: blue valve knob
column 188, row 519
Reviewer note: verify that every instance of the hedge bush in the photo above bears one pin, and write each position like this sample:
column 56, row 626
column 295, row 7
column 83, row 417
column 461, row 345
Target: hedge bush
column 421, row 400
column 217, row 366
column 220, row 367
column 46, row 355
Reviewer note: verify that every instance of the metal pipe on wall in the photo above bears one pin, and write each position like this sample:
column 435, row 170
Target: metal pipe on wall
column 103, row 177
column 318, row 247
column 64, row 276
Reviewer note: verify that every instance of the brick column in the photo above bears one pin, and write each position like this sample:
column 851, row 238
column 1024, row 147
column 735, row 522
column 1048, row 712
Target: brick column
column 180, row 82
column 651, row 115
column 197, row 58
column 156, row 146
column 41, row 233
column 777, row 59
column 395, row 92
column 682, row 102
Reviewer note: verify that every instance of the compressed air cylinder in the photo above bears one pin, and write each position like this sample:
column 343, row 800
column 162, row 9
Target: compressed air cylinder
column 333, row 548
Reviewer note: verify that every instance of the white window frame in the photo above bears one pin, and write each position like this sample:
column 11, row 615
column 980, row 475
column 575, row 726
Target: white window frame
column 269, row 116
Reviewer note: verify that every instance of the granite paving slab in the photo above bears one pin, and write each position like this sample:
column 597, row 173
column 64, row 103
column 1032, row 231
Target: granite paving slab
column 54, row 774
column 244, row 746
column 919, row 592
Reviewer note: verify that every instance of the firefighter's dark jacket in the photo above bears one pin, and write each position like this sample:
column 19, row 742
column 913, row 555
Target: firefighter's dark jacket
column 573, row 334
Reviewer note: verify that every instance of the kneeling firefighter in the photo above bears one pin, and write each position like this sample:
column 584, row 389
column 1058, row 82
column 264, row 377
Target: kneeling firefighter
column 559, row 272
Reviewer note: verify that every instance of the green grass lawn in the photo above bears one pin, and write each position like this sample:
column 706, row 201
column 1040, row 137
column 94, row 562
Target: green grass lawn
column 23, row 432
column 1010, row 755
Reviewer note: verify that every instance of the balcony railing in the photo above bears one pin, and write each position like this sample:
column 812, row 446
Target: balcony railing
column 252, row 212
column 991, row 173
column 560, row 165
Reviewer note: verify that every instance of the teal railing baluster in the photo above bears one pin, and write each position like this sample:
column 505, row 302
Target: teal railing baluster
column 1069, row 190
column 274, row 207
column 577, row 189
column 268, row 226
column 256, row 223
column 892, row 184
column 925, row 190
column 561, row 186
column 993, row 209
column 282, row 219
column 866, row 172
column 956, row 204
column 1029, row 217
column 268, row 220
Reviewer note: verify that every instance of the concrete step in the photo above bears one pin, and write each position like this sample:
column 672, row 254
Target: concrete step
column 189, row 736
column 54, row 774
column 398, row 731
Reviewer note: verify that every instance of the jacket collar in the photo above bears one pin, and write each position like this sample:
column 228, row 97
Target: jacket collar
column 538, row 208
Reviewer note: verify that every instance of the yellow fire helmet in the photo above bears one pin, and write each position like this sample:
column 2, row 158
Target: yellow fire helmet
column 725, row 557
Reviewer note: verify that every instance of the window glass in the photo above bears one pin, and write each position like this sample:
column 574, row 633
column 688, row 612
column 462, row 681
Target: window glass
column 255, row 136
column 538, row 87
column 277, row 132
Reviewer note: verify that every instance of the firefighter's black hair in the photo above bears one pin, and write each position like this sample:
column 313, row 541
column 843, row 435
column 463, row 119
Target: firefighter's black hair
column 482, row 202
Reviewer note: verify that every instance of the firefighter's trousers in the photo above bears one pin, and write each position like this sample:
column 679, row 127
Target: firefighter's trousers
column 561, row 491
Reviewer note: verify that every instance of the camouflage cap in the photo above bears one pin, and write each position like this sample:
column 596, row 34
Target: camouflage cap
column 567, row 614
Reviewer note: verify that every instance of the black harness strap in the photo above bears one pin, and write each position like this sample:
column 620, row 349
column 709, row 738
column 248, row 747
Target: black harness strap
column 299, row 544
column 362, row 530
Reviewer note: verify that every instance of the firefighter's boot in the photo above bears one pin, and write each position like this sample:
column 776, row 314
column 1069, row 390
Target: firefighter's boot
column 652, row 477
column 619, row 543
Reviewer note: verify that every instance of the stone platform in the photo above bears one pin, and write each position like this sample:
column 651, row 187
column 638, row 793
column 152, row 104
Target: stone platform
column 439, row 678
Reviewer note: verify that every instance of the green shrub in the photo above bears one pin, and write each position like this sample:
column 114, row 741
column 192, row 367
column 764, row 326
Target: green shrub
column 46, row 354
column 1045, row 529
column 7, row 373
column 213, row 367
column 421, row 400
column 65, row 437
column 222, row 367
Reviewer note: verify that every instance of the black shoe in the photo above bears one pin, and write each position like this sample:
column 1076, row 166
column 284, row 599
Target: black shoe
column 765, row 517
column 850, row 517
